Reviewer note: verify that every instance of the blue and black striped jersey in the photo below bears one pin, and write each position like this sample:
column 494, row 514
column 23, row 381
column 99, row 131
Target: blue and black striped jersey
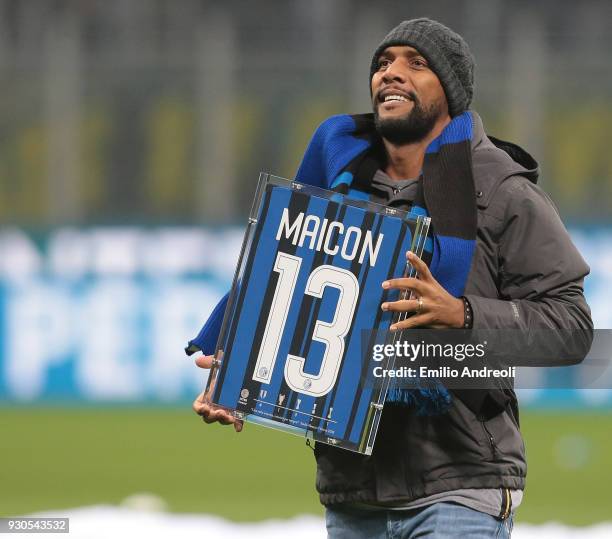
column 295, row 337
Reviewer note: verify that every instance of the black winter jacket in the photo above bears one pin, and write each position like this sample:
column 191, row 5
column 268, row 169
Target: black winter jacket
column 525, row 273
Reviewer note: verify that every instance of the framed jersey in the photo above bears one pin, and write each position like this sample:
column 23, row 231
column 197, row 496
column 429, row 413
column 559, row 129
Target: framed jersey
column 293, row 349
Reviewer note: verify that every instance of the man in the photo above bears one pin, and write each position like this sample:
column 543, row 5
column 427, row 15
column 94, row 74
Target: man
column 502, row 259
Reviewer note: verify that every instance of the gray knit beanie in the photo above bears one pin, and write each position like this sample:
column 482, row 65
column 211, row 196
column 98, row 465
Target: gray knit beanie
column 448, row 55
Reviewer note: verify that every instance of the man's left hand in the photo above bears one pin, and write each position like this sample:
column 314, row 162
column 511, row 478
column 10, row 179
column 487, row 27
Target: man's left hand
column 433, row 306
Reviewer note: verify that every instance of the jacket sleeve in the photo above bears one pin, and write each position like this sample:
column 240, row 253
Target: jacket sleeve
column 540, row 279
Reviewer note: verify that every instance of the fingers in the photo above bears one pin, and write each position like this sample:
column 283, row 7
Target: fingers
column 433, row 306
column 404, row 305
column 420, row 266
column 219, row 415
column 418, row 320
column 198, row 404
column 204, row 362
column 403, row 283
column 203, row 407
column 213, row 414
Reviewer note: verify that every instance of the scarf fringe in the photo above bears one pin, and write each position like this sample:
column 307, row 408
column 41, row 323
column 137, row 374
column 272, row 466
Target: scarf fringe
column 427, row 401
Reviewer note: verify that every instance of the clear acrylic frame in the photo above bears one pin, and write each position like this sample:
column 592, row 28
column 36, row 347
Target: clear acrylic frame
column 294, row 358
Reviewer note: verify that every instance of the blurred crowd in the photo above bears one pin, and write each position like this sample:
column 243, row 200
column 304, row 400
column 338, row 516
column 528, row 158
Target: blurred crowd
column 164, row 112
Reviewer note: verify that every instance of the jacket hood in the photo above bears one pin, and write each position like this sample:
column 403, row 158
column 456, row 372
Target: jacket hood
column 495, row 160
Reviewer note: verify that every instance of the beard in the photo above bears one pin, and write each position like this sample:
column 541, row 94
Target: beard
column 410, row 128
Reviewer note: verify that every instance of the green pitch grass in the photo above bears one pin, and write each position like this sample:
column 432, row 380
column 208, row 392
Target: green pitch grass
column 57, row 458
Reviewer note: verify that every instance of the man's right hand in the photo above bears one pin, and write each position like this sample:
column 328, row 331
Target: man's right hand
column 211, row 413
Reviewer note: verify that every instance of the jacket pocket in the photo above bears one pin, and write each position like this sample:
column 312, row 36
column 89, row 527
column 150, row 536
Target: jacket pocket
column 491, row 440
column 468, row 432
column 505, row 440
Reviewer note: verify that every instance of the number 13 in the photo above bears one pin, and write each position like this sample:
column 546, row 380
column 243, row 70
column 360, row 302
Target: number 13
column 331, row 334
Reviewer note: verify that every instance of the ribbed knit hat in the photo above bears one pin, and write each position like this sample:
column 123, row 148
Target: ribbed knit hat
column 448, row 55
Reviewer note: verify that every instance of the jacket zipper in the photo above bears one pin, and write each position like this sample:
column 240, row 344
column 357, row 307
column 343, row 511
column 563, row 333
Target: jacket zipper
column 491, row 440
column 506, row 504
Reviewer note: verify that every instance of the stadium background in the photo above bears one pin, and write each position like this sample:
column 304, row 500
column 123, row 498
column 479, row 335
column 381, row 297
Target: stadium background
column 132, row 135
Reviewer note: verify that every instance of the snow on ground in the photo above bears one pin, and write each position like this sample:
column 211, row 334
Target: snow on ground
column 110, row 522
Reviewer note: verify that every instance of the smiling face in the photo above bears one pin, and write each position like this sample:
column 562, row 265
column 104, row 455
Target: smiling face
column 407, row 96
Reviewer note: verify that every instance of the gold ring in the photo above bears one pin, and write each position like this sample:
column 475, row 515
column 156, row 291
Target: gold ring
column 420, row 301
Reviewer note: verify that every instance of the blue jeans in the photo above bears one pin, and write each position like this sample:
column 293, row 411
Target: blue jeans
column 439, row 520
